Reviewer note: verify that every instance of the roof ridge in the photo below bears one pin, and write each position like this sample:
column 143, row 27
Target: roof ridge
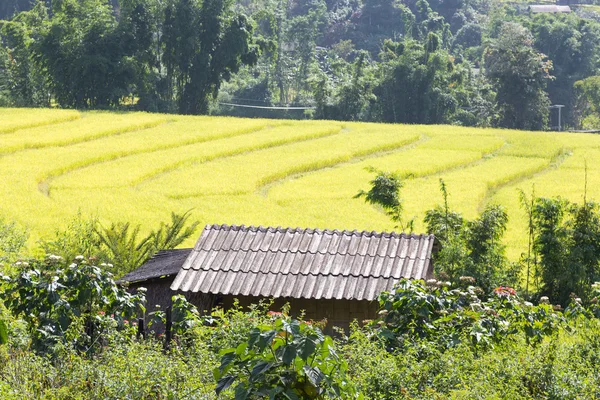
column 308, row 274
column 347, row 232
column 317, row 252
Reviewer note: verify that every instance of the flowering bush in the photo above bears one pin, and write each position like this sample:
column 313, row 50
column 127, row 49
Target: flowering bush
column 433, row 312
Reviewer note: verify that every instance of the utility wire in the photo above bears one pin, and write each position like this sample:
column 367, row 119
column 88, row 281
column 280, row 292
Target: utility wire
column 266, row 108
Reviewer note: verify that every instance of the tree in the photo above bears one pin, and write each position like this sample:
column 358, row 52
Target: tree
column 385, row 192
column 587, row 100
column 519, row 75
column 573, row 46
column 10, row 7
column 85, row 55
column 205, row 43
column 471, row 248
column 420, row 83
column 25, row 84
column 567, row 243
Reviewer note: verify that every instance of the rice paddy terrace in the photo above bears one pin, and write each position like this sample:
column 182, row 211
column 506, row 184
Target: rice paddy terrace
column 139, row 167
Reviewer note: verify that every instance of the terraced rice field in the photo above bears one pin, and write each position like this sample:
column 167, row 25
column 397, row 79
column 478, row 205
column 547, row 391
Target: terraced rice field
column 139, row 167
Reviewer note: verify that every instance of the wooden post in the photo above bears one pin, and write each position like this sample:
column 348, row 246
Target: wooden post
column 168, row 327
column 141, row 332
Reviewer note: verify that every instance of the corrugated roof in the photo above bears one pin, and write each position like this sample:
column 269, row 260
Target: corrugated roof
column 163, row 263
column 549, row 8
column 302, row 263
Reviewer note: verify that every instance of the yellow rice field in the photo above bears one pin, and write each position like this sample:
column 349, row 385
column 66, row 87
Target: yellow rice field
column 139, row 167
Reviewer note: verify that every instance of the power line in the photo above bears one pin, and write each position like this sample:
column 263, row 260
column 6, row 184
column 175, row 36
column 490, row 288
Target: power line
column 266, row 108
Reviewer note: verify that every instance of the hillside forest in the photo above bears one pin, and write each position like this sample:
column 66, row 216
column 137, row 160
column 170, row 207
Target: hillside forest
column 465, row 62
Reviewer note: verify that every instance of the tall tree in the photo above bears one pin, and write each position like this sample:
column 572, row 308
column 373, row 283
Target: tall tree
column 573, row 46
column 420, row 83
column 519, row 74
column 20, row 77
column 205, row 43
column 8, row 8
column 587, row 101
column 84, row 53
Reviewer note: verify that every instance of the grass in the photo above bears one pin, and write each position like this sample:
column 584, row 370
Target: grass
column 139, row 167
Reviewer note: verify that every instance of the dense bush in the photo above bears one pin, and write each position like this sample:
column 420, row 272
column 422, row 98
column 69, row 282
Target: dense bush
column 68, row 305
column 285, row 359
column 440, row 317
column 432, row 341
column 471, row 248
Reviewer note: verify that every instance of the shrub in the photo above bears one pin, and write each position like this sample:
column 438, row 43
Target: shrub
column 12, row 241
column 286, row 359
column 442, row 317
column 68, row 305
column 119, row 245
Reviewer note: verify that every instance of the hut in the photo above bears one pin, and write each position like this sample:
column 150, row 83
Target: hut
column 549, row 9
column 333, row 275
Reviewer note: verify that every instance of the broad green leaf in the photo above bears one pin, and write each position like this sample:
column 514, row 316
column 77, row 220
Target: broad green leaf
column 259, row 369
column 241, row 348
column 289, row 354
column 224, row 383
column 241, row 393
column 274, row 392
column 314, row 375
column 308, row 347
column 226, row 360
column 3, row 332
column 291, row 395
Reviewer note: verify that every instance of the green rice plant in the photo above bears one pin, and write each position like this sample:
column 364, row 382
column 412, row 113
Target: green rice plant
column 532, row 144
column 318, row 165
column 479, row 143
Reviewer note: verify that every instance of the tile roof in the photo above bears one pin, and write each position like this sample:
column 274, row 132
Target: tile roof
column 163, row 263
column 302, row 263
column 549, row 8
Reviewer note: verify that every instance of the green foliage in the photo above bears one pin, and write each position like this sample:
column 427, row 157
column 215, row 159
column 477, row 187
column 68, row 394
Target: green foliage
column 286, row 359
column 118, row 246
column 385, row 192
column 471, row 248
column 421, row 83
column 127, row 252
column 572, row 44
column 67, row 305
column 519, row 74
column 129, row 369
column 449, row 343
column 12, row 242
column 78, row 238
column 436, row 315
column 567, row 242
column 205, row 43
column 587, row 92
column 23, row 81
column 83, row 51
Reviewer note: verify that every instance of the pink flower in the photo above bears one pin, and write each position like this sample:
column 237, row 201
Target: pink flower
column 274, row 313
column 100, row 312
column 505, row 291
